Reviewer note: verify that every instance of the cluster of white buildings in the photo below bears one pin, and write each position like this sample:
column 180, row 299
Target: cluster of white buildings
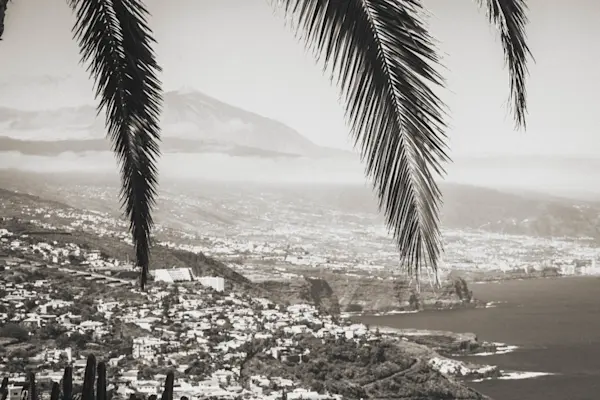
column 60, row 254
column 146, row 347
column 196, row 312
column 172, row 275
column 487, row 251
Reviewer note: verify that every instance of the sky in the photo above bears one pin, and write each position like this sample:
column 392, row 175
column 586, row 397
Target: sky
column 239, row 52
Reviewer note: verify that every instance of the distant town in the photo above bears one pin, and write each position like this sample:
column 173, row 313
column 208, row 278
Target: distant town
column 259, row 257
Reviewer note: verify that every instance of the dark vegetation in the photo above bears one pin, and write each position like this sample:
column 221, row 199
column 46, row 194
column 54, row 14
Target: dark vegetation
column 14, row 331
column 355, row 308
column 361, row 369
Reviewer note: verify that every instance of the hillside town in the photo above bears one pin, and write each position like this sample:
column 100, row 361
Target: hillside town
column 66, row 298
column 223, row 344
column 71, row 290
column 185, row 336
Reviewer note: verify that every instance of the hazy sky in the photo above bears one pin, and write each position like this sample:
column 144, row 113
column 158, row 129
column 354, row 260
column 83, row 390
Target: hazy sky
column 237, row 51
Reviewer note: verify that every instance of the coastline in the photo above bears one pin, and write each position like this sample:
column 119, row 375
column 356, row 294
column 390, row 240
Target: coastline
column 385, row 294
column 441, row 350
column 468, row 365
column 444, row 351
column 462, row 356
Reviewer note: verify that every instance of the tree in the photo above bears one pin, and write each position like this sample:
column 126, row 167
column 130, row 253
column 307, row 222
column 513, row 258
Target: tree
column 52, row 330
column 383, row 59
column 251, row 349
column 29, row 305
column 79, row 340
column 146, row 373
column 14, row 331
column 198, row 367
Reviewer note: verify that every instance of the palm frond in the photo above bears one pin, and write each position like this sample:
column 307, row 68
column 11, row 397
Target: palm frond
column 3, row 6
column 383, row 60
column 509, row 16
column 114, row 38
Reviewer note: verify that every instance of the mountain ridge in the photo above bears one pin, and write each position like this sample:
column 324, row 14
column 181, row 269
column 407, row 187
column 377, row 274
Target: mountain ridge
column 188, row 117
column 466, row 207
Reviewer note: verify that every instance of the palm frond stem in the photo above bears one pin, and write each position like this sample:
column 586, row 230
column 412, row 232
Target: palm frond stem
column 116, row 41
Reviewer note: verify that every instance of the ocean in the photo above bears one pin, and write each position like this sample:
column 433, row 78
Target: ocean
column 554, row 322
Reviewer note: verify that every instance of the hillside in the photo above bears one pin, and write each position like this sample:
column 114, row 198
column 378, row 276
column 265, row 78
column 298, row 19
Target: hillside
column 526, row 214
column 111, row 247
column 191, row 122
column 570, row 176
column 503, row 211
column 29, row 214
column 16, row 218
column 464, row 206
column 12, row 204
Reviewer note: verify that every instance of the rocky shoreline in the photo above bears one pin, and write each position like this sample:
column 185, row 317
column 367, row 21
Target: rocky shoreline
column 353, row 294
column 440, row 349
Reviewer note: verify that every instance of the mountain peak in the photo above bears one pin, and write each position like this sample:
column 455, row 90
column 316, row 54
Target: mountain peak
column 188, row 114
column 184, row 90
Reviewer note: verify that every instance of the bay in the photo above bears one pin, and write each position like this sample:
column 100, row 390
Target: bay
column 555, row 322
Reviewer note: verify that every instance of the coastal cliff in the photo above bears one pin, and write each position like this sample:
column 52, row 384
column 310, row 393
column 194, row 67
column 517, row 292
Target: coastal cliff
column 335, row 293
column 377, row 294
column 314, row 291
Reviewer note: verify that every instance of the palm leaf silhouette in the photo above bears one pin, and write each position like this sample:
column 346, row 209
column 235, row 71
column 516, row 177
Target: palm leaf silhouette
column 379, row 53
column 3, row 5
column 510, row 19
column 115, row 40
column 383, row 59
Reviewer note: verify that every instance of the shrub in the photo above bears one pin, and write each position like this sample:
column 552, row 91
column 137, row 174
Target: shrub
column 354, row 308
column 14, row 331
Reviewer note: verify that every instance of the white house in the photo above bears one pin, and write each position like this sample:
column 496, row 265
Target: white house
column 145, row 347
column 172, row 275
column 215, row 282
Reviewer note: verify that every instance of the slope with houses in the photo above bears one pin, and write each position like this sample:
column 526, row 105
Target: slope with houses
column 221, row 343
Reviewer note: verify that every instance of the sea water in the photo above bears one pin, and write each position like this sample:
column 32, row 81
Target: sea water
column 554, row 323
